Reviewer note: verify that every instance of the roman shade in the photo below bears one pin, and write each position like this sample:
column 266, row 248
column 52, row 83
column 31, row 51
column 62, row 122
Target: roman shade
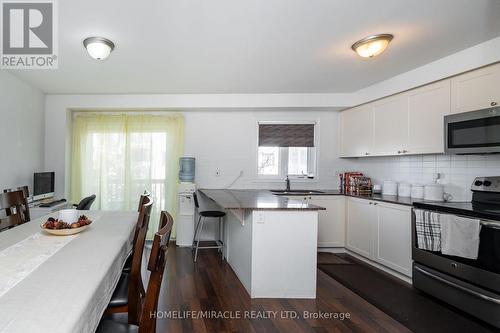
column 286, row 135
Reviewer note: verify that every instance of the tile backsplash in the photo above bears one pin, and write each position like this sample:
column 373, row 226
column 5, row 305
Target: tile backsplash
column 457, row 171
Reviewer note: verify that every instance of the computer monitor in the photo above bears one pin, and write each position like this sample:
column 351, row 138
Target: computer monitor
column 43, row 185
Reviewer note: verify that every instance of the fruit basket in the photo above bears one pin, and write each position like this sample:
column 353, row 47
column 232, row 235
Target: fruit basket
column 60, row 228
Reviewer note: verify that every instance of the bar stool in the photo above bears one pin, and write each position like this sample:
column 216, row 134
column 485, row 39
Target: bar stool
column 199, row 228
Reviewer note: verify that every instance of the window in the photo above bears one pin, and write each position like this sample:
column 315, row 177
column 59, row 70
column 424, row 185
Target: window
column 286, row 149
column 118, row 156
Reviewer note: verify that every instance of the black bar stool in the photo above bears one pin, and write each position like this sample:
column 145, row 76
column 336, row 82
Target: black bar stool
column 199, row 228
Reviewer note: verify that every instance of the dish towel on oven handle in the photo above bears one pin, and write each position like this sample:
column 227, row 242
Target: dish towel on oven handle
column 428, row 230
column 460, row 236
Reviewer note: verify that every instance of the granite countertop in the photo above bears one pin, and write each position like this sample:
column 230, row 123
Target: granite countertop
column 265, row 199
column 256, row 200
column 376, row 197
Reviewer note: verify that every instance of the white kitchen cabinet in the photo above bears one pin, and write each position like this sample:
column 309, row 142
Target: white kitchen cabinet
column 393, row 237
column 380, row 232
column 427, row 107
column 361, row 221
column 331, row 222
column 390, row 125
column 476, row 90
column 356, row 128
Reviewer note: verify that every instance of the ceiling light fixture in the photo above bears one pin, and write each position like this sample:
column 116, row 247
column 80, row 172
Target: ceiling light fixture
column 372, row 46
column 98, row 48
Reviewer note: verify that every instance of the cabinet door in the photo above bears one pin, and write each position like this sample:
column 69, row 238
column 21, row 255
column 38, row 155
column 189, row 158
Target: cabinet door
column 476, row 89
column 361, row 220
column 356, row 127
column 393, row 245
column 331, row 222
column 427, row 107
column 390, row 125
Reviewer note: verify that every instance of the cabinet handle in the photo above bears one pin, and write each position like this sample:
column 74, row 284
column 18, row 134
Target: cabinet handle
column 493, row 103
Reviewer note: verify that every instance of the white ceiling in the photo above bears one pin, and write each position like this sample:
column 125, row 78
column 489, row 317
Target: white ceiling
column 255, row 46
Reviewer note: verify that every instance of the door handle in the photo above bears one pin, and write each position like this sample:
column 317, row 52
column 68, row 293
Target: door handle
column 455, row 285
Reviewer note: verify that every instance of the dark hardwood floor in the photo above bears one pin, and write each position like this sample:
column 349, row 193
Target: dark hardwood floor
column 210, row 285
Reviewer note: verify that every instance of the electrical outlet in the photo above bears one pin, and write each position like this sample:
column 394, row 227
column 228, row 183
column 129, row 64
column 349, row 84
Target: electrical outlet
column 217, row 172
column 259, row 217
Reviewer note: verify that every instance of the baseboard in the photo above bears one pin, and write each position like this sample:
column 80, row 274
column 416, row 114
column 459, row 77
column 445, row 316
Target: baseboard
column 383, row 268
column 367, row 261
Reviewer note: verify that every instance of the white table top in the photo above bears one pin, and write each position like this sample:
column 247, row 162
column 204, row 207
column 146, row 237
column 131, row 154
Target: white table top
column 70, row 290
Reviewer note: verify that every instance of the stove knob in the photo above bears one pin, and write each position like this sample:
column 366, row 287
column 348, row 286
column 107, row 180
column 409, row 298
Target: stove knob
column 478, row 183
column 487, row 183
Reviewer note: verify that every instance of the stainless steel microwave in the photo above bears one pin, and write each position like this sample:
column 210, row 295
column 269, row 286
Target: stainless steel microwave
column 476, row 132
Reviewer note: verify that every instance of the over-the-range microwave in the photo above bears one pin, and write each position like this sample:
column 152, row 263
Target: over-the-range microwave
column 475, row 132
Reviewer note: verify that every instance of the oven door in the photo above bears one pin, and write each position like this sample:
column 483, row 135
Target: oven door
column 483, row 271
column 475, row 132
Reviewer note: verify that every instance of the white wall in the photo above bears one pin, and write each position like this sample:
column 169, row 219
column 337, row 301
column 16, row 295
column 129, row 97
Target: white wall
column 228, row 141
column 21, row 131
column 224, row 140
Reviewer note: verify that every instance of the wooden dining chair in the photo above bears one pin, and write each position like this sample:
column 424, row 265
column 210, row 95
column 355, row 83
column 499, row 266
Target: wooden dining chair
column 156, row 265
column 11, row 205
column 144, row 199
column 26, row 207
column 128, row 293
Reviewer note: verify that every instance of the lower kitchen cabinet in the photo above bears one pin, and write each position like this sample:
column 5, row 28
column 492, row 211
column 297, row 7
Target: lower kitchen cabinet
column 361, row 220
column 393, row 237
column 331, row 222
column 331, row 225
column 380, row 232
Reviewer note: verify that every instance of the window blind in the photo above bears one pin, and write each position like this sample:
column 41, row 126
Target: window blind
column 286, row 135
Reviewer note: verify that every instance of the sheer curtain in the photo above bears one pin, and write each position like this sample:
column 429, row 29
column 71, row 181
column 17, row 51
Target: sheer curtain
column 118, row 156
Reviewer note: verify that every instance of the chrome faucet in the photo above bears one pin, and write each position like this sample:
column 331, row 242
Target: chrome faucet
column 287, row 180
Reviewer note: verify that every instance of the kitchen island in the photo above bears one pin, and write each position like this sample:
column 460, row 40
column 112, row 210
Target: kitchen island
column 270, row 242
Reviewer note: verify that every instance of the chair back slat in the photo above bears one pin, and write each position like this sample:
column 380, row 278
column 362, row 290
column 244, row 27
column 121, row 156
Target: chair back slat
column 135, row 281
column 143, row 200
column 26, row 207
column 156, row 266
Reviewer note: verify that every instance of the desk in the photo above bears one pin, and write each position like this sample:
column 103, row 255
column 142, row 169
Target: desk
column 37, row 211
column 69, row 291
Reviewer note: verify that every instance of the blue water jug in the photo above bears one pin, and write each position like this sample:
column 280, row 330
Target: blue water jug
column 186, row 169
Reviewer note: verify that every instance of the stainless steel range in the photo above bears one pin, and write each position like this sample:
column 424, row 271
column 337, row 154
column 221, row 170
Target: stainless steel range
column 456, row 250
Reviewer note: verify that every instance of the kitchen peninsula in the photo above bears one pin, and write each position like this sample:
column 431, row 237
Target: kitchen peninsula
column 270, row 242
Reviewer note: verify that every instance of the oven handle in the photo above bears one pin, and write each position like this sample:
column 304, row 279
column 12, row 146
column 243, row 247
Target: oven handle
column 492, row 225
column 453, row 284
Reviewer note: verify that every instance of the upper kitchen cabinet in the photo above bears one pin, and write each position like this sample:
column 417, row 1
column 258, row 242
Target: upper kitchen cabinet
column 356, row 128
column 476, row 89
column 427, row 107
column 390, row 125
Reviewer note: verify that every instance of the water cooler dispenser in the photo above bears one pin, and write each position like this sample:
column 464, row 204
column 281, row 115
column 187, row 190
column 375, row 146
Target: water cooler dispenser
column 186, row 209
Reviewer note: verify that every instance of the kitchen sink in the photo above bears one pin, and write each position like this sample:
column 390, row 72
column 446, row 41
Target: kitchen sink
column 296, row 192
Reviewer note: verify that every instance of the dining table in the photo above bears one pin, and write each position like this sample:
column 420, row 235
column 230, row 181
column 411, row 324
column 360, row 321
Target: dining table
column 62, row 284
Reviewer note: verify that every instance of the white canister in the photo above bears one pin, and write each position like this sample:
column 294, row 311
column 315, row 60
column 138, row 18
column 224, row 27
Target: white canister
column 390, row 187
column 434, row 192
column 417, row 191
column 404, row 189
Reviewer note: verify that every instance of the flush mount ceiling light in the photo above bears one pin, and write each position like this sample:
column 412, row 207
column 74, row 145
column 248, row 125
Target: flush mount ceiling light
column 98, row 48
column 372, row 46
